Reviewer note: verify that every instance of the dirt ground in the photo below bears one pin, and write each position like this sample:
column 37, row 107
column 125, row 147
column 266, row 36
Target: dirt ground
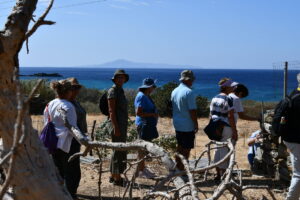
column 90, row 172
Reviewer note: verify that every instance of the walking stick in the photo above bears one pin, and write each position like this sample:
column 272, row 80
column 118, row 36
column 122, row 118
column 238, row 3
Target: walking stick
column 92, row 135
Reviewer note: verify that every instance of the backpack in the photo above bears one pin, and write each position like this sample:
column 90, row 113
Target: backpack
column 214, row 129
column 48, row 135
column 103, row 104
column 281, row 115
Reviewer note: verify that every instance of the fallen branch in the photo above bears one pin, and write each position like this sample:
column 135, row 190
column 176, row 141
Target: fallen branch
column 190, row 176
column 157, row 194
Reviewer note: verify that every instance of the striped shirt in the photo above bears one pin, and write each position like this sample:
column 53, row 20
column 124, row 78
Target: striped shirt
column 220, row 106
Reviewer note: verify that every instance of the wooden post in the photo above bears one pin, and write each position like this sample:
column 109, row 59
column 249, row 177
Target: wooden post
column 285, row 79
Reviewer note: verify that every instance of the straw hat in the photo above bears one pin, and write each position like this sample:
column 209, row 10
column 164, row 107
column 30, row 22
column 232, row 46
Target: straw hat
column 74, row 83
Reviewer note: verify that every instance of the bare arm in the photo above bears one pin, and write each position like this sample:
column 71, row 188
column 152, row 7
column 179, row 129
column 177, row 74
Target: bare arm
column 193, row 114
column 112, row 115
column 251, row 141
column 139, row 112
column 232, row 124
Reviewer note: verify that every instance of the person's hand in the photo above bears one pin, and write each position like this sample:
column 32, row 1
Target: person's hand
column 85, row 140
column 257, row 137
column 117, row 133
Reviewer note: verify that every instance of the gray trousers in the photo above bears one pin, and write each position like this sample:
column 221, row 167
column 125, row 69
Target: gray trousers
column 118, row 159
column 294, row 189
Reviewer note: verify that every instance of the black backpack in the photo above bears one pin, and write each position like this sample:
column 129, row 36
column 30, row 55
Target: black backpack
column 281, row 115
column 103, row 104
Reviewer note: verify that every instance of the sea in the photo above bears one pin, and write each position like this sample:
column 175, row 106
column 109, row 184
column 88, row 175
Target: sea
column 264, row 85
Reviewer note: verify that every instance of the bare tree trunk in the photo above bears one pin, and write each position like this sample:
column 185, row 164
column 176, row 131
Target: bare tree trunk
column 34, row 176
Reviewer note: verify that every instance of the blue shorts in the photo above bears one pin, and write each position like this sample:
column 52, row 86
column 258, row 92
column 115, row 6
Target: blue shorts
column 185, row 139
column 251, row 158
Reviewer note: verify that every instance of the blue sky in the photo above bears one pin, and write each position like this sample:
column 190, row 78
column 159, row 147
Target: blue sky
column 204, row 33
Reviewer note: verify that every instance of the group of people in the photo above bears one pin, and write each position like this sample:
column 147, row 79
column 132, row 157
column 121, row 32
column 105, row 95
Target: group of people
column 225, row 106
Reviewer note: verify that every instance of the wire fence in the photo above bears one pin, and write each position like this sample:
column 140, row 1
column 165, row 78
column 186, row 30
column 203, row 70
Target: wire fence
column 293, row 68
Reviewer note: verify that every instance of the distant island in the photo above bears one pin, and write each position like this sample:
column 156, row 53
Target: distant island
column 44, row 75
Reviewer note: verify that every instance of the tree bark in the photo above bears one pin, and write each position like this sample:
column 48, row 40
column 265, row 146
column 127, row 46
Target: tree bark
column 34, row 176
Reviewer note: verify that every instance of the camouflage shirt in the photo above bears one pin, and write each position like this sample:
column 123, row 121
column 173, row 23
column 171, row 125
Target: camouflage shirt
column 117, row 93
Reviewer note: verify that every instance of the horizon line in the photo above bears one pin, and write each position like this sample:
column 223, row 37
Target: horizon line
column 95, row 67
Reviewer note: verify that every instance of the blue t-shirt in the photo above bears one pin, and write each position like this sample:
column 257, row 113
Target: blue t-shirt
column 183, row 100
column 142, row 100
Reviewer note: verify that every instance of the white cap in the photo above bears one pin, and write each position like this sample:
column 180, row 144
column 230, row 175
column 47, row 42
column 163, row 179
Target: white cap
column 233, row 84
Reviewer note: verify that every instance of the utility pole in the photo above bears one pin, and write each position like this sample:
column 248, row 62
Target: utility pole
column 285, row 79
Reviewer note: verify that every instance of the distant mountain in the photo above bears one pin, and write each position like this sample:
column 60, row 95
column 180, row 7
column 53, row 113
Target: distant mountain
column 121, row 63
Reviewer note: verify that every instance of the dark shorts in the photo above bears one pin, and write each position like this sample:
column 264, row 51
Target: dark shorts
column 185, row 139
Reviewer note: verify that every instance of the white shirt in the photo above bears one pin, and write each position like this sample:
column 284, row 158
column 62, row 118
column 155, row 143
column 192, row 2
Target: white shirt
column 237, row 106
column 252, row 149
column 62, row 132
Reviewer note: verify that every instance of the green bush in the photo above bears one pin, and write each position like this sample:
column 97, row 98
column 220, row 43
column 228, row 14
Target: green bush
column 130, row 96
column 90, row 107
column 167, row 142
column 89, row 95
column 162, row 98
column 89, row 98
column 41, row 99
column 202, row 106
column 254, row 108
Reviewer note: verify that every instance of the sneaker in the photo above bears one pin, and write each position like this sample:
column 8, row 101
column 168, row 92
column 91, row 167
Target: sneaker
column 146, row 173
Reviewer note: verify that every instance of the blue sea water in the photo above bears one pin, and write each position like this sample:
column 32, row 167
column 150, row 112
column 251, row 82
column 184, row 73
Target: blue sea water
column 266, row 85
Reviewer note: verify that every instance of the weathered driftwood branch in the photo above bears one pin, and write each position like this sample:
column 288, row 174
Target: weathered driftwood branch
column 190, row 176
column 41, row 21
column 226, row 177
column 18, row 133
column 157, row 194
column 214, row 165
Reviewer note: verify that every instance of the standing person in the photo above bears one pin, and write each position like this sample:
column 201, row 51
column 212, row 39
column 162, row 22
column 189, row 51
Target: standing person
column 118, row 122
column 65, row 144
column 292, row 141
column 74, row 165
column 221, row 108
column 240, row 91
column 146, row 120
column 184, row 115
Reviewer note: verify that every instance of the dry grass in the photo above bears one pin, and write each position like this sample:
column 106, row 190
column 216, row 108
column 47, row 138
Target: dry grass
column 89, row 181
